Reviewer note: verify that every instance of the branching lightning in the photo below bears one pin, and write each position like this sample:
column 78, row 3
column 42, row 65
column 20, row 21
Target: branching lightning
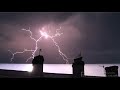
column 45, row 35
column 26, row 50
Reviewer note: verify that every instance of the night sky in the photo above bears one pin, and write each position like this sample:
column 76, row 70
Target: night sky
column 95, row 34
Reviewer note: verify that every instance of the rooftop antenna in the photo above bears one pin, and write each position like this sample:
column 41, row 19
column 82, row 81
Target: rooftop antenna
column 40, row 51
column 79, row 55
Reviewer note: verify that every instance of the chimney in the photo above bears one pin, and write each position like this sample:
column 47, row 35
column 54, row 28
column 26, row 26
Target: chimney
column 111, row 71
column 38, row 66
column 78, row 68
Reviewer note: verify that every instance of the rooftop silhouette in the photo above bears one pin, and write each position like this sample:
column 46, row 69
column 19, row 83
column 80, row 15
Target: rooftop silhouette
column 38, row 65
column 112, row 71
column 38, row 61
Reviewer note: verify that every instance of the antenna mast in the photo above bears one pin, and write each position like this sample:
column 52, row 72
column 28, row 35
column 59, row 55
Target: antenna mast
column 40, row 51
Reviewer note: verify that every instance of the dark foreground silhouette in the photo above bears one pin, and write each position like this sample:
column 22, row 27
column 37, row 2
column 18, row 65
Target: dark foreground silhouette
column 112, row 71
column 38, row 65
column 38, row 61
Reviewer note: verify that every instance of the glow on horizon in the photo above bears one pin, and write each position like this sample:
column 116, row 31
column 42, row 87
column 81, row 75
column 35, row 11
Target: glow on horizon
column 29, row 68
column 90, row 69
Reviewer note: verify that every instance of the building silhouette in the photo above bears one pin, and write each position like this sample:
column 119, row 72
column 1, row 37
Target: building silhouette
column 37, row 63
column 37, row 72
column 78, row 67
column 111, row 71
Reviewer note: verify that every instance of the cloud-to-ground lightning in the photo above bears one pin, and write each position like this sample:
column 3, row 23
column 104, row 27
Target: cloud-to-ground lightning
column 56, row 44
column 26, row 50
column 45, row 35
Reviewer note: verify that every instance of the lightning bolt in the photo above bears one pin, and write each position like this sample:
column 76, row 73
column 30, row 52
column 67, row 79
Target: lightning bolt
column 46, row 35
column 26, row 50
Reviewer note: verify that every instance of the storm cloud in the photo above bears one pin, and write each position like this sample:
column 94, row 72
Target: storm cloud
column 94, row 34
